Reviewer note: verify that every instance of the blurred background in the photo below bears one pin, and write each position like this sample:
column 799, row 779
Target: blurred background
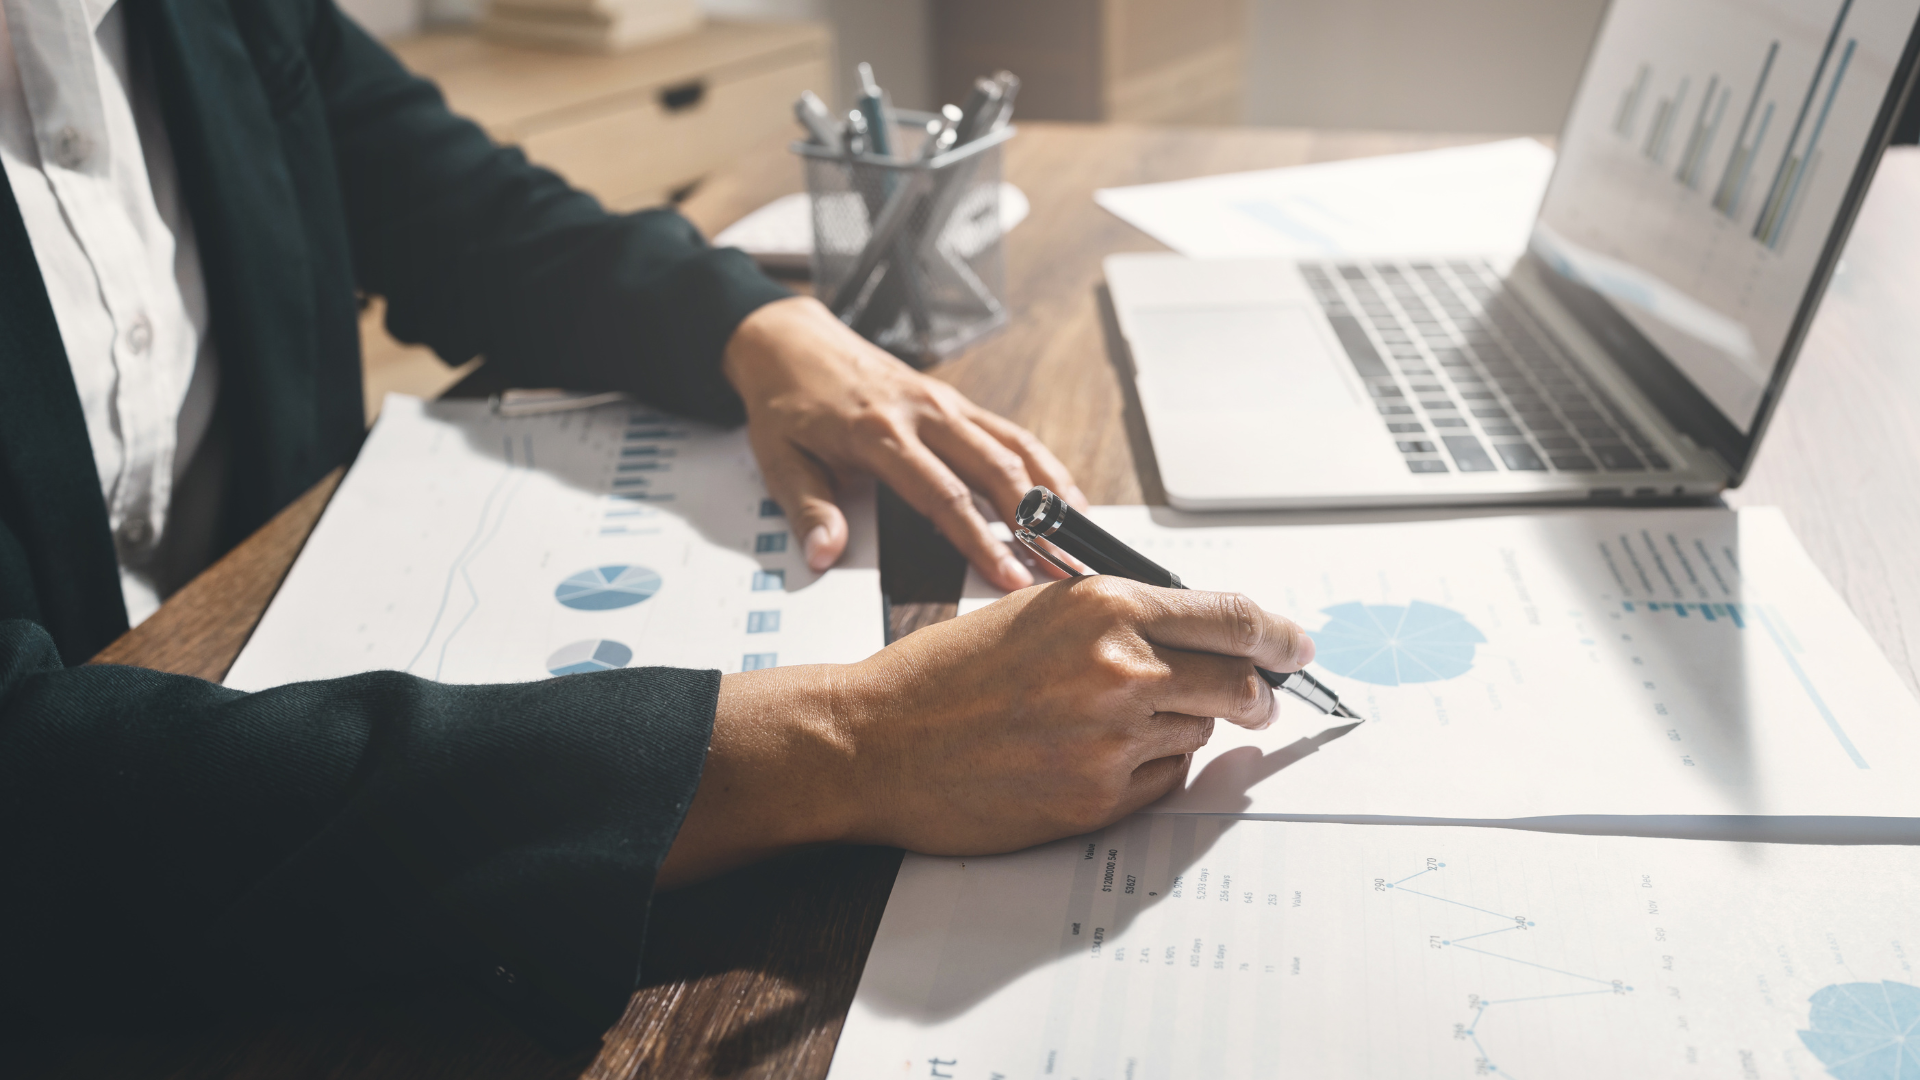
column 1498, row 66
column 638, row 101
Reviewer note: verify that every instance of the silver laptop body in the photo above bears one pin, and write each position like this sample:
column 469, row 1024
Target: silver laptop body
column 1634, row 352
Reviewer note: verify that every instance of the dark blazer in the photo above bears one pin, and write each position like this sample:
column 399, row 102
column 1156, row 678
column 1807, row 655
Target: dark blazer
column 268, row 847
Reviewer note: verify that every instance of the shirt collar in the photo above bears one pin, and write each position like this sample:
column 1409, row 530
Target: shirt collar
column 97, row 11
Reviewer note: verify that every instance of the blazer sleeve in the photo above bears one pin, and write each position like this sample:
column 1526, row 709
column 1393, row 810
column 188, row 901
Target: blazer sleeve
column 479, row 252
column 167, row 839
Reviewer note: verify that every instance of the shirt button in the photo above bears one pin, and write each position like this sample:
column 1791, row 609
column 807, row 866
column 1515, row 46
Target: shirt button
column 136, row 531
column 70, row 147
column 140, row 335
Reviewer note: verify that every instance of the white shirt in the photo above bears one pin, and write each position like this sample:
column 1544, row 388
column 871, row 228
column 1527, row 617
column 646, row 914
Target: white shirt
column 88, row 159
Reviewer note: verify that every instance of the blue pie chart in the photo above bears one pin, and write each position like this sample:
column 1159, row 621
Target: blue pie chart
column 1865, row 1030
column 595, row 654
column 1391, row 644
column 605, row 588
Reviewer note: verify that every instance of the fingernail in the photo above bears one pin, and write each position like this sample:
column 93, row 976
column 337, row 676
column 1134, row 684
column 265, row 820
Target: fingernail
column 815, row 545
column 1302, row 650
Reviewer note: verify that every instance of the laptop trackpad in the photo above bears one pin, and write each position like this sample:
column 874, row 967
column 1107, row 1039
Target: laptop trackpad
column 1266, row 359
column 1255, row 401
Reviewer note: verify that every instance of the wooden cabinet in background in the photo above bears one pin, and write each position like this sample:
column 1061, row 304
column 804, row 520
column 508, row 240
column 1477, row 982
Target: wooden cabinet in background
column 635, row 127
column 1149, row 61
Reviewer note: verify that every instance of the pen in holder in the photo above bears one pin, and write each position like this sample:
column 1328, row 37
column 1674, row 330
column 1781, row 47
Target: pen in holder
column 907, row 250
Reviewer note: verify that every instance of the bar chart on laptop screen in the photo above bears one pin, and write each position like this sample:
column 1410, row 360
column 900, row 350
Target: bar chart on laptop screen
column 1705, row 163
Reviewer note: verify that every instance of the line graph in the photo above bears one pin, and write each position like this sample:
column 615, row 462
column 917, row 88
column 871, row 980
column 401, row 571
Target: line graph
column 493, row 513
column 1583, row 985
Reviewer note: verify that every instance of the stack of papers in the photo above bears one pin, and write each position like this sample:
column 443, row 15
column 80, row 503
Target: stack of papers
column 1650, row 704
column 1310, row 903
column 1469, row 200
column 471, row 547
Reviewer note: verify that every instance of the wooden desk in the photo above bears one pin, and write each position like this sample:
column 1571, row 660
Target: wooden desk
column 751, row 975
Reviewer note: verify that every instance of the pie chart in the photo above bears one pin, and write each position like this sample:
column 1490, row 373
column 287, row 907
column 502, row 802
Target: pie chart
column 1866, row 1030
column 595, row 654
column 604, row 588
column 1390, row 644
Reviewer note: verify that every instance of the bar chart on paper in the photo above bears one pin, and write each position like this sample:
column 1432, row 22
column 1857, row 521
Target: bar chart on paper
column 1168, row 947
column 470, row 547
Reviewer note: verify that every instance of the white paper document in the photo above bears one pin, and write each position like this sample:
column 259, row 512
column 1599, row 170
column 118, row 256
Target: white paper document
column 1458, row 201
column 469, row 547
column 1667, row 672
column 1168, row 947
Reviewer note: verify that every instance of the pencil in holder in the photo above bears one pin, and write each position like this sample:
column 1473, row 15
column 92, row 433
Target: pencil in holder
column 910, row 252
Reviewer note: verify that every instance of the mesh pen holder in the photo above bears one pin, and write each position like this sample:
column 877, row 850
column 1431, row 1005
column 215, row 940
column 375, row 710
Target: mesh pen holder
column 909, row 253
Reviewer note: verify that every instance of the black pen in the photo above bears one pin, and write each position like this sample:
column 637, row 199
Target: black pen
column 1045, row 516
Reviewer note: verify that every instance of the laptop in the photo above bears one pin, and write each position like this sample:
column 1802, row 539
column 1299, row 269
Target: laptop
column 1714, row 159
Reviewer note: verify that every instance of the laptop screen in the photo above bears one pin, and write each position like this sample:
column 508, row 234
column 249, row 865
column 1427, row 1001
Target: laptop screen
column 1713, row 151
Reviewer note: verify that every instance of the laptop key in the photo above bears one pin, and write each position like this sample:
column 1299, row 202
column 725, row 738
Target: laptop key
column 1407, row 429
column 1426, row 465
column 1657, row 463
column 1417, row 446
column 1500, row 430
column 1366, row 360
column 1396, row 410
column 1446, row 421
column 1573, row 462
column 1557, row 442
column 1469, row 454
column 1520, row 457
column 1618, row 458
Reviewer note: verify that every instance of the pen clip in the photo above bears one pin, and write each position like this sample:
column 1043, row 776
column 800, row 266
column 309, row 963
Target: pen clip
column 1032, row 543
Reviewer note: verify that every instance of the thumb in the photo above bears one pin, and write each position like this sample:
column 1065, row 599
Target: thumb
column 804, row 489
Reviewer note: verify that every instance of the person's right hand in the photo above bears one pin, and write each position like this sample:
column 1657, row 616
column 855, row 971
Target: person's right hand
column 1052, row 712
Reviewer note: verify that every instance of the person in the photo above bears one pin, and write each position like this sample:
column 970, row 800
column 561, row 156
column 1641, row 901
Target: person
column 196, row 194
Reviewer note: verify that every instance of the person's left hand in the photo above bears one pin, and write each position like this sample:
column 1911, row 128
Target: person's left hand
column 821, row 398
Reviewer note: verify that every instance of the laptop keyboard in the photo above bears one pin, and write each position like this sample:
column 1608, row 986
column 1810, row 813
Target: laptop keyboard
column 1466, row 379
